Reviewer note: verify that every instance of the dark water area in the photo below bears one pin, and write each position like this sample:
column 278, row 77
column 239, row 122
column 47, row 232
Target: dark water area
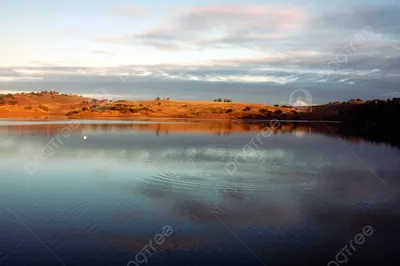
column 196, row 193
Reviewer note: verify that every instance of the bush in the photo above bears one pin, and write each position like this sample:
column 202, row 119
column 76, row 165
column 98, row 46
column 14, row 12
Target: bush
column 13, row 102
column 294, row 112
column 218, row 100
column 229, row 111
column 73, row 112
column 276, row 105
column 262, row 110
column 103, row 108
column 44, row 108
column 85, row 108
column 28, row 107
column 134, row 110
column 37, row 94
column 10, row 96
column 124, row 110
column 278, row 112
column 227, row 101
column 247, row 108
column 2, row 101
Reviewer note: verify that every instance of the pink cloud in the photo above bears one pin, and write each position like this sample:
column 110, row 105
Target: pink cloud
column 228, row 25
column 249, row 15
column 130, row 11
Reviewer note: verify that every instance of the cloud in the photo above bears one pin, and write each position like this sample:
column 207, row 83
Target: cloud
column 272, row 29
column 383, row 18
column 296, row 48
column 130, row 10
column 331, row 30
column 219, row 26
column 292, row 68
column 18, row 74
column 242, row 17
column 102, row 52
column 249, row 79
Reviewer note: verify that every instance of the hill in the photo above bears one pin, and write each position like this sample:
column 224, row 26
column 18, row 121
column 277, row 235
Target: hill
column 54, row 105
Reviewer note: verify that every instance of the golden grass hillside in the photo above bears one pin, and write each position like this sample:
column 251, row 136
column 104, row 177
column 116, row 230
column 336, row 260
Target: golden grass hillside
column 55, row 105
column 40, row 104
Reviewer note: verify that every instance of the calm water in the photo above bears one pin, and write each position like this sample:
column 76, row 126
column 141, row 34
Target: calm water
column 298, row 198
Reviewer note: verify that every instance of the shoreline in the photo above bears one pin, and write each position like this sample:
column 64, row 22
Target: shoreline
column 153, row 118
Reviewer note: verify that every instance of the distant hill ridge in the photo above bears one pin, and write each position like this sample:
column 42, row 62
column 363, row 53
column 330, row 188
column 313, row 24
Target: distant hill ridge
column 52, row 104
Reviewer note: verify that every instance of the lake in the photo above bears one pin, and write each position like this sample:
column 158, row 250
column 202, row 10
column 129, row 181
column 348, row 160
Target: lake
column 192, row 192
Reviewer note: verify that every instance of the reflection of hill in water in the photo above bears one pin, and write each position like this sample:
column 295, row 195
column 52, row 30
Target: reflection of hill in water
column 220, row 128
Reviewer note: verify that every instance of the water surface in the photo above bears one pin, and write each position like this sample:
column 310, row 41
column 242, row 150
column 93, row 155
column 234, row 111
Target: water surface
column 297, row 198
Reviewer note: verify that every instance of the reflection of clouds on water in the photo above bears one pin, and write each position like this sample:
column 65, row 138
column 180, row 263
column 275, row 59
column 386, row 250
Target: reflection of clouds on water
column 192, row 161
column 123, row 153
column 114, row 160
column 8, row 144
column 59, row 159
column 308, row 188
column 246, row 210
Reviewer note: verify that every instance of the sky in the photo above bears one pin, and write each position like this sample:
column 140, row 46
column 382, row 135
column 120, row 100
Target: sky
column 261, row 51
